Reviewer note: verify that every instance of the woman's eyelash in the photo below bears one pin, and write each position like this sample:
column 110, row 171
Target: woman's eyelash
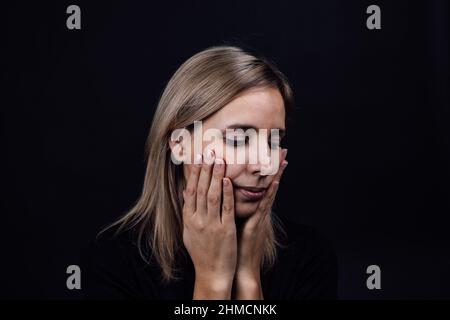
column 234, row 141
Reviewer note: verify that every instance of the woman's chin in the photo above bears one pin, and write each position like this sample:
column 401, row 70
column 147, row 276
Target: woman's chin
column 246, row 209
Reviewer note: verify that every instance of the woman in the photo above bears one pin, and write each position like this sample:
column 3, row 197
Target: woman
column 203, row 226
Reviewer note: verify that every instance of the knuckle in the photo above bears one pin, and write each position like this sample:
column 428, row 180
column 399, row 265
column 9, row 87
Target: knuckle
column 200, row 225
column 201, row 191
column 190, row 191
column 227, row 208
column 213, row 198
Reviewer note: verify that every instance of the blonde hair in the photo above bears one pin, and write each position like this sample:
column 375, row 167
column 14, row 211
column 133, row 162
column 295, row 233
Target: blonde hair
column 203, row 84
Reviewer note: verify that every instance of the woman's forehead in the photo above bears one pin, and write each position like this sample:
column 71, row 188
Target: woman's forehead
column 258, row 108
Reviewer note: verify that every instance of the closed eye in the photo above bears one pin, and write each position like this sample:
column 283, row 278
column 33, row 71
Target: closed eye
column 236, row 141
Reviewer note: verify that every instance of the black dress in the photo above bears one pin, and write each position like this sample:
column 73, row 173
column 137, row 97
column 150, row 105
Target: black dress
column 112, row 268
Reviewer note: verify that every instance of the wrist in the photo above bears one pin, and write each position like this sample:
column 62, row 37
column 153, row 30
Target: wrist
column 247, row 279
column 212, row 288
column 248, row 287
column 247, row 275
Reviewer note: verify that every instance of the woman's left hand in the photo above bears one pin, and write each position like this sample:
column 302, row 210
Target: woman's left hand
column 251, row 241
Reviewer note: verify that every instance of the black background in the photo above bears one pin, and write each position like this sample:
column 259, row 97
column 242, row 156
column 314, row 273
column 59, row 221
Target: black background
column 368, row 145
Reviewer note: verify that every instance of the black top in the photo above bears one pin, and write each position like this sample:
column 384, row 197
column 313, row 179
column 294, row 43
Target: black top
column 113, row 269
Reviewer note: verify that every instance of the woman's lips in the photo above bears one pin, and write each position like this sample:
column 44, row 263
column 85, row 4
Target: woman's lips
column 252, row 193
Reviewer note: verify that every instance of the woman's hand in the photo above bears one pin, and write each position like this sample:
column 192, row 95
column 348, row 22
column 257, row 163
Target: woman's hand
column 251, row 240
column 209, row 233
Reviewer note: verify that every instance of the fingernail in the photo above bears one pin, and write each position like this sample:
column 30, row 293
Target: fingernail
column 284, row 164
column 209, row 156
column 285, row 152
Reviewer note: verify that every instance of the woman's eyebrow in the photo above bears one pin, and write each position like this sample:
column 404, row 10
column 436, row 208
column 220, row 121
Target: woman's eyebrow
column 244, row 127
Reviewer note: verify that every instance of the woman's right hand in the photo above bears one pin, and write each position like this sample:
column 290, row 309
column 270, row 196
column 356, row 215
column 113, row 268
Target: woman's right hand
column 209, row 232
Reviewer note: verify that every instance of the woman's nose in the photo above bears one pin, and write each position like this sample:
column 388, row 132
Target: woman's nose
column 264, row 161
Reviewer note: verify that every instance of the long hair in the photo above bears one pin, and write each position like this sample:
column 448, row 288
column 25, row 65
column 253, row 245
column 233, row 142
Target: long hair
column 203, row 84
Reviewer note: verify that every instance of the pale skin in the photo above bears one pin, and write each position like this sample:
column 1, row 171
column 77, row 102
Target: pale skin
column 225, row 256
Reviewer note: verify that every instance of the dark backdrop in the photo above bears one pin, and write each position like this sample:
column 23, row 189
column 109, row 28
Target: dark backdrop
column 368, row 145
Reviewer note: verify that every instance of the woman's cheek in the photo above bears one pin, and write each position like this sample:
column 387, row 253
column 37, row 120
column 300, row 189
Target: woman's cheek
column 232, row 171
column 229, row 154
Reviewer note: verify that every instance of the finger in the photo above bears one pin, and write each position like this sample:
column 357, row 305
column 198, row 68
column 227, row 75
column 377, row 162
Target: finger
column 282, row 161
column 283, row 155
column 204, row 182
column 190, row 192
column 228, row 202
column 266, row 203
column 215, row 189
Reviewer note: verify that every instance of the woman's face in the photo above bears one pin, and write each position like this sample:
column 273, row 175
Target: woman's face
column 261, row 108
